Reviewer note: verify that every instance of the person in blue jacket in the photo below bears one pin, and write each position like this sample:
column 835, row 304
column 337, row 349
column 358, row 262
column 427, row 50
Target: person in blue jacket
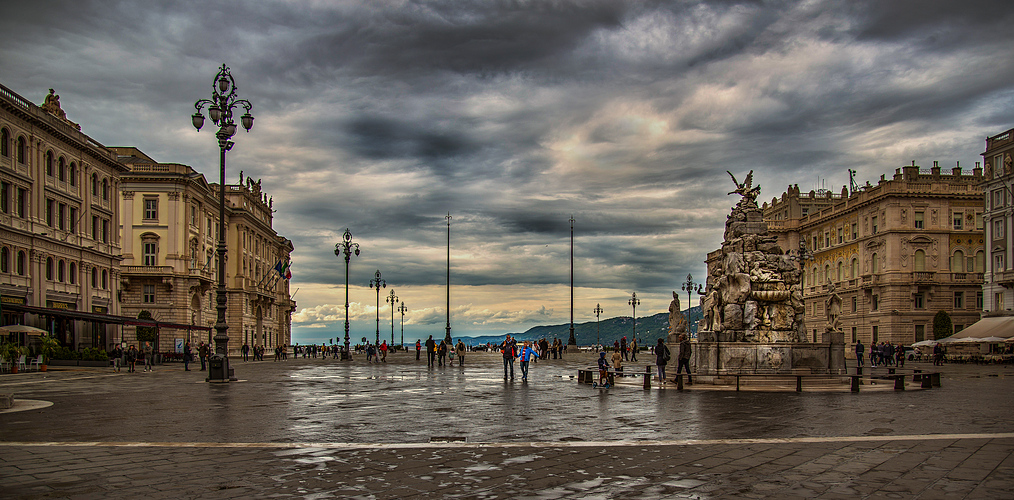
column 525, row 355
column 603, row 371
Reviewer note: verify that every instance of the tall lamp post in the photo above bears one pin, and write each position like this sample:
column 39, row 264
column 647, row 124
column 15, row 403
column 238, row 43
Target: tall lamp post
column 689, row 287
column 393, row 300
column 220, row 107
column 447, row 336
column 572, row 340
column 346, row 247
column 402, row 310
column 378, row 282
column 598, row 332
column 634, row 302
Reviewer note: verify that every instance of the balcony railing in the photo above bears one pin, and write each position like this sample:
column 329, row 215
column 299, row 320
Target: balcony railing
column 149, row 270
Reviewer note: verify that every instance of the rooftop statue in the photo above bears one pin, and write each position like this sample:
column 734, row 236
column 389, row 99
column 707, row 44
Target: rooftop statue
column 746, row 189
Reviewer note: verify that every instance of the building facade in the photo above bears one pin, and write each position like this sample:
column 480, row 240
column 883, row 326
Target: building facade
column 896, row 253
column 169, row 268
column 998, row 180
column 59, row 244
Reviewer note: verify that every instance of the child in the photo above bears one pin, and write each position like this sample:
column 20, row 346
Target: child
column 603, row 371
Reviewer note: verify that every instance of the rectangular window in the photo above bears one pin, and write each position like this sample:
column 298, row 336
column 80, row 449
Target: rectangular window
column 876, row 303
column 919, row 302
column 19, row 208
column 61, row 215
column 998, row 301
column 151, row 208
column 853, row 335
column 978, row 221
column 149, row 251
column 193, row 216
column 959, row 300
column 998, row 198
column 919, row 220
column 855, row 231
column 49, row 212
column 876, row 334
column 840, row 236
column 998, row 262
column 958, row 218
column 73, row 219
column 814, row 247
column 998, row 228
column 210, row 227
column 5, row 197
column 827, row 239
column 806, row 211
column 873, row 224
column 920, row 333
column 95, row 228
column 105, row 231
column 978, row 300
column 148, row 294
column 855, row 303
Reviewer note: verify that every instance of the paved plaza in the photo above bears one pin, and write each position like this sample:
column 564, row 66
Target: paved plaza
column 316, row 428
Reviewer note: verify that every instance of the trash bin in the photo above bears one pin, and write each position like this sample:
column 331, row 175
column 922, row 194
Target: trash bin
column 216, row 368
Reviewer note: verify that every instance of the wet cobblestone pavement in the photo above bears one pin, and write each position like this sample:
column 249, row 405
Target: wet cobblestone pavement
column 315, row 428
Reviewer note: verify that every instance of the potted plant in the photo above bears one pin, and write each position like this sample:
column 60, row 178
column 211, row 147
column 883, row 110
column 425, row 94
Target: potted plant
column 47, row 348
column 11, row 352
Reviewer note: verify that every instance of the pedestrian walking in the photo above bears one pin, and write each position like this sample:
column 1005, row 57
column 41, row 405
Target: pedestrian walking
column 460, row 348
column 418, row 349
column 246, row 352
column 684, row 357
column 117, row 357
column 509, row 350
column 525, row 356
column 442, row 353
column 202, row 351
column 131, row 358
column 188, row 356
column 431, row 351
column 662, row 356
column 149, row 357
column 633, row 350
column 623, row 348
column 860, row 349
column 383, row 352
column 617, row 359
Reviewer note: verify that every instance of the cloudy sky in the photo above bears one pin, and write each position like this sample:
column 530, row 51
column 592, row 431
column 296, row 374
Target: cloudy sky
column 513, row 116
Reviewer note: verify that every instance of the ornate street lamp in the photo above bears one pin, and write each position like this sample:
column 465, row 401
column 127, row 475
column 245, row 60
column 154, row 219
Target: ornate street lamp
column 447, row 336
column 402, row 309
column 688, row 286
column 220, row 108
column 347, row 248
column 378, row 282
column 572, row 340
column 393, row 300
column 598, row 333
column 634, row 302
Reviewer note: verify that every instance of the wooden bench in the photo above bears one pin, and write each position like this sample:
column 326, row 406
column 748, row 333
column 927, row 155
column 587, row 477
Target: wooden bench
column 591, row 375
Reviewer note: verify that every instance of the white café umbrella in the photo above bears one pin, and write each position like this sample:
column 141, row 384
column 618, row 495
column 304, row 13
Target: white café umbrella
column 22, row 329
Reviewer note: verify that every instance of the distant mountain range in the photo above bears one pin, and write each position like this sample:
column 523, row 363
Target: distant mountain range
column 609, row 330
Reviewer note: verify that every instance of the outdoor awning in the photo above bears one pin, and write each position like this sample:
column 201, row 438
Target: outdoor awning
column 100, row 318
column 999, row 326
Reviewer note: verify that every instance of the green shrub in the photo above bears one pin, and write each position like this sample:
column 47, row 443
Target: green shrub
column 66, row 353
column 94, row 354
column 942, row 325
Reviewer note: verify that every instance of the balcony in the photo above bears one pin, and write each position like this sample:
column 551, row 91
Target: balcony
column 870, row 280
column 147, row 270
column 1005, row 278
column 923, row 277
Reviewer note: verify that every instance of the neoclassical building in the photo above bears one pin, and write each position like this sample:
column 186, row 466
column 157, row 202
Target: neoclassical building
column 169, row 268
column 897, row 253
column 59, row 220
column 998, row 181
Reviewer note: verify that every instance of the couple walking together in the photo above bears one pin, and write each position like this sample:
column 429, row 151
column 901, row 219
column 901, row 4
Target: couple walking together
column 510, row 350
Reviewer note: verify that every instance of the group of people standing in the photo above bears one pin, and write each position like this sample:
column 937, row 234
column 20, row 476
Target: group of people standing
column 881, row 354
column 525, row 353
column 131, row 355
column 443, row 353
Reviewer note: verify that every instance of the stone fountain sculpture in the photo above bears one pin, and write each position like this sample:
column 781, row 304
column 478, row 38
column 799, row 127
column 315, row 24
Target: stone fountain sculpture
column 677, row 322
column 753, row 303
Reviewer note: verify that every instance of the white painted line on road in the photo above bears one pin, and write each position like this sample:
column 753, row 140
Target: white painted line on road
column 533, row 444
column 25, row 382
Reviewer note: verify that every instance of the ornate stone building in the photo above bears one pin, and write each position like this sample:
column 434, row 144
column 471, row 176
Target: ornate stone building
column 59, row 244
column 998, row 181
column 897, row 252
column 170, row 228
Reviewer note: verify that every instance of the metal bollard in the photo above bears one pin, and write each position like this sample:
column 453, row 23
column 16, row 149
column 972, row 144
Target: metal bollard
column 679, row 381
column 647, row 377
column 855, row 383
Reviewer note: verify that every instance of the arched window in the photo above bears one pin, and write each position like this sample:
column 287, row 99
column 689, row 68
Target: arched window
column 855, row 268
column 920, row 261
column 5, row 260
column 20, row 264
column 49, row 163
column 21, row 150
column 49, row 268
column 5, row 142
column 958, row 262
column 827, row 274
column 73, row 174
column 95, row 185
column 840, row 265
column 980, row 261
column 63, row 170
column 60, row 268
column 95, row 277
column 874, row 264
column 73, row 273
column 105, row 280
column 105, row 189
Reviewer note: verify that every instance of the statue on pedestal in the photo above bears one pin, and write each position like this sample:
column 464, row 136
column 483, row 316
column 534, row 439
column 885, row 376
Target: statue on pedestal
column 677, row 322
column 833, row 307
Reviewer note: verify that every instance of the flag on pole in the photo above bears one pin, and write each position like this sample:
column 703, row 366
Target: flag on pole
column 288, row 270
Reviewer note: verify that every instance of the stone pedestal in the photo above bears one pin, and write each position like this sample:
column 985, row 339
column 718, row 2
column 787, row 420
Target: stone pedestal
column 715, row 355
